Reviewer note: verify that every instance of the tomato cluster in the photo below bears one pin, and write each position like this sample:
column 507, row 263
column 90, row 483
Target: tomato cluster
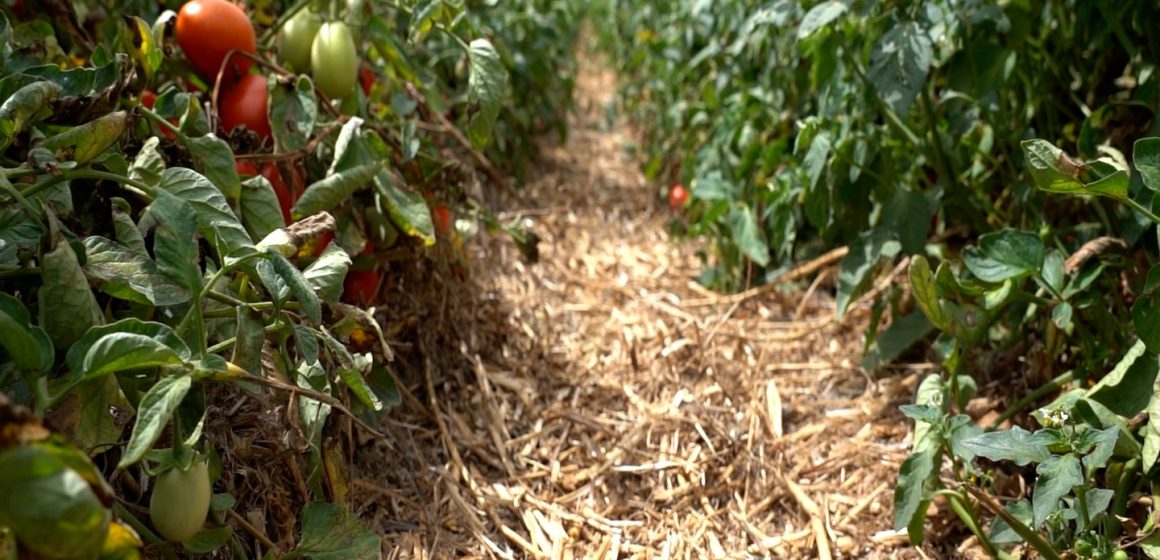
column 218, row 39
column 326, row 50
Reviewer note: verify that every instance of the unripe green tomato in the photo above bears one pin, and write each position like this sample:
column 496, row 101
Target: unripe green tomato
column 1084, row 548
column 1119, row 555
column 334, row 60
column 297, row 38
column 180, row 501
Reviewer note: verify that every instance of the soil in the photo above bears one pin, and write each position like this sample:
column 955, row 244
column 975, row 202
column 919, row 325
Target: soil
column 597, row 402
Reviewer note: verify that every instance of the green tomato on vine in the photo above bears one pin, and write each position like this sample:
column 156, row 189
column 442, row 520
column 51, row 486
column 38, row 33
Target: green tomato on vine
column 334, row 60
column 296, row 39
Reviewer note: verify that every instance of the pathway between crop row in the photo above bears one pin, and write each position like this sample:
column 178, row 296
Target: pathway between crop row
column 599, row 404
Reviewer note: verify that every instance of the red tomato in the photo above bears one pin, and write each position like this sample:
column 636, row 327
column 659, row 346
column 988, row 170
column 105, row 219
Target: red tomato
column 207, row 30
column 245, row 104
column 18, row 8
column 360, row 286
column 442, row 218
column 286, row 198
column 367, row 79
column 246, row 169
column 322, row 242
column 678, row 196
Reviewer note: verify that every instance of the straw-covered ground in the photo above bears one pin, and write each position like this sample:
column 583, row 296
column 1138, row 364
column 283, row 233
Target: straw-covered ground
column 597, row 403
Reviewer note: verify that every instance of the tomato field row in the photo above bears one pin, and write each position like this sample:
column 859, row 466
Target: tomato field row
column 204, row 193
column 1004, row 152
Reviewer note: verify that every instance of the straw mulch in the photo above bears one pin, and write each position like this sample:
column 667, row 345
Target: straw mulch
column 597, row 403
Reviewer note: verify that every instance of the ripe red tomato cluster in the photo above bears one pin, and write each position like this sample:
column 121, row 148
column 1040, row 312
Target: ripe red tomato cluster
column 208, row 31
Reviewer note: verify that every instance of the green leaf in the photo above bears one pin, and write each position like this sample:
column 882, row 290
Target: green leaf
column 250, row 336
column 175, row 242
column 932, row 392
column 910, row 494
column 326, row 274
column 1099, row 445
column 149, row 165
column 215, row 160
column 1054, row 171
column 1146, row 317
column 406, row 208
column 1146, row 158
column 27, row 345
column 820, row 16
column 299, row 287
column 23, row 107
column 84, row 143
column 95, row 425
column 486, row 85
column 78, row 357
column 17, row 231
column 120, row 351
column 351, row 369
column 216, row 221
column 907, row 215
column 1052, row 273
column 1001, row 532
column 153, row 414
column 1016, row 445
column 208, row 540
column 899, row 64
column 1151, row 449
column 129, row 275
column 1126, row 389
column 125, row 228
column 865, row 253
column 747, row 234
column 330, row 532
column 925, row 294
column 260, row 209
column 1005, row 254
column 67, row 305
column 1057, row 476
column 902, row 334
column 58, row 514
column 814, row 162
column 335, row 189
column 293, row 112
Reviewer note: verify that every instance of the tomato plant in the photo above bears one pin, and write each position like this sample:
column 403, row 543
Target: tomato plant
column 180, row 501
column 163, row 259
column 246, row 104
column 207, row 30
column 334, row 60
